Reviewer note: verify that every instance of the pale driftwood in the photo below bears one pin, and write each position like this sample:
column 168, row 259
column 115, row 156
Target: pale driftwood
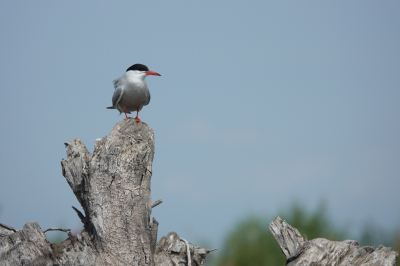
column 320, row 252
column 113, row 187
column 172, row 250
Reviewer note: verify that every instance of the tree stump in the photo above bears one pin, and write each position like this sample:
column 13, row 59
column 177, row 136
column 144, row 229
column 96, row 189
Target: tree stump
column 320, row 252
column 113, row 187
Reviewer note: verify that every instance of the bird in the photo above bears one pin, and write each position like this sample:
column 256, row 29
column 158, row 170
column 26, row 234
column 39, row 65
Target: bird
column 131, row 91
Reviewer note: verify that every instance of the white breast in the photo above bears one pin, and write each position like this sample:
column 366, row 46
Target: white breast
column 135, row 94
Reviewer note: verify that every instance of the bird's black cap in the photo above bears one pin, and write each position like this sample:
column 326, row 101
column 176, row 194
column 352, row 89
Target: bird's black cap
column 139, row 67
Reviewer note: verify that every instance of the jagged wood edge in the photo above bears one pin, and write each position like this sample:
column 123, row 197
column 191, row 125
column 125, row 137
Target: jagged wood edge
column 320, row 252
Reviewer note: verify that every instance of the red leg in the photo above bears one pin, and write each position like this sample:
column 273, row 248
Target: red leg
column 127, row 117
column 137, row 116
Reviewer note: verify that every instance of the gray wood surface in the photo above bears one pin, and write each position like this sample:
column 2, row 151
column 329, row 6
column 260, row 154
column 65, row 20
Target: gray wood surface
column 319, row 252
column 113, row 187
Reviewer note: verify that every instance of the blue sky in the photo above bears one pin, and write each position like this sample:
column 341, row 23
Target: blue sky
column 260, row 104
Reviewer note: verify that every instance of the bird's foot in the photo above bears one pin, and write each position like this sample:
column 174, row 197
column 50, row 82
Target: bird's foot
column 127, row 117
column 137, row 119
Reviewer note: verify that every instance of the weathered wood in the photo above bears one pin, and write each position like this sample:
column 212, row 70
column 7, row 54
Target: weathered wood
column 25, row 246
column 6, row 230
column 320, row 252
column 113, row 187
column 171, row 250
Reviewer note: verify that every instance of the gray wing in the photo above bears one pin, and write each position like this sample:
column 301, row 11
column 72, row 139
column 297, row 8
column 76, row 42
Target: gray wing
column 148, row 98
column 117, row 96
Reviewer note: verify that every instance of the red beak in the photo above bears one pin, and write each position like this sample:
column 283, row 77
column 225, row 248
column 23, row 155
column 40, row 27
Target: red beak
column 152, row 73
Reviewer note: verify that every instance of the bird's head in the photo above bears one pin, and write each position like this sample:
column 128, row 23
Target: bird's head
column 141, row 70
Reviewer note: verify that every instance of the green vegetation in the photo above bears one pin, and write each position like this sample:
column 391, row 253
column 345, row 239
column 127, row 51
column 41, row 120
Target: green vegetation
column 251, row 243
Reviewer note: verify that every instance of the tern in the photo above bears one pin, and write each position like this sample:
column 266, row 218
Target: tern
column 131, row 91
